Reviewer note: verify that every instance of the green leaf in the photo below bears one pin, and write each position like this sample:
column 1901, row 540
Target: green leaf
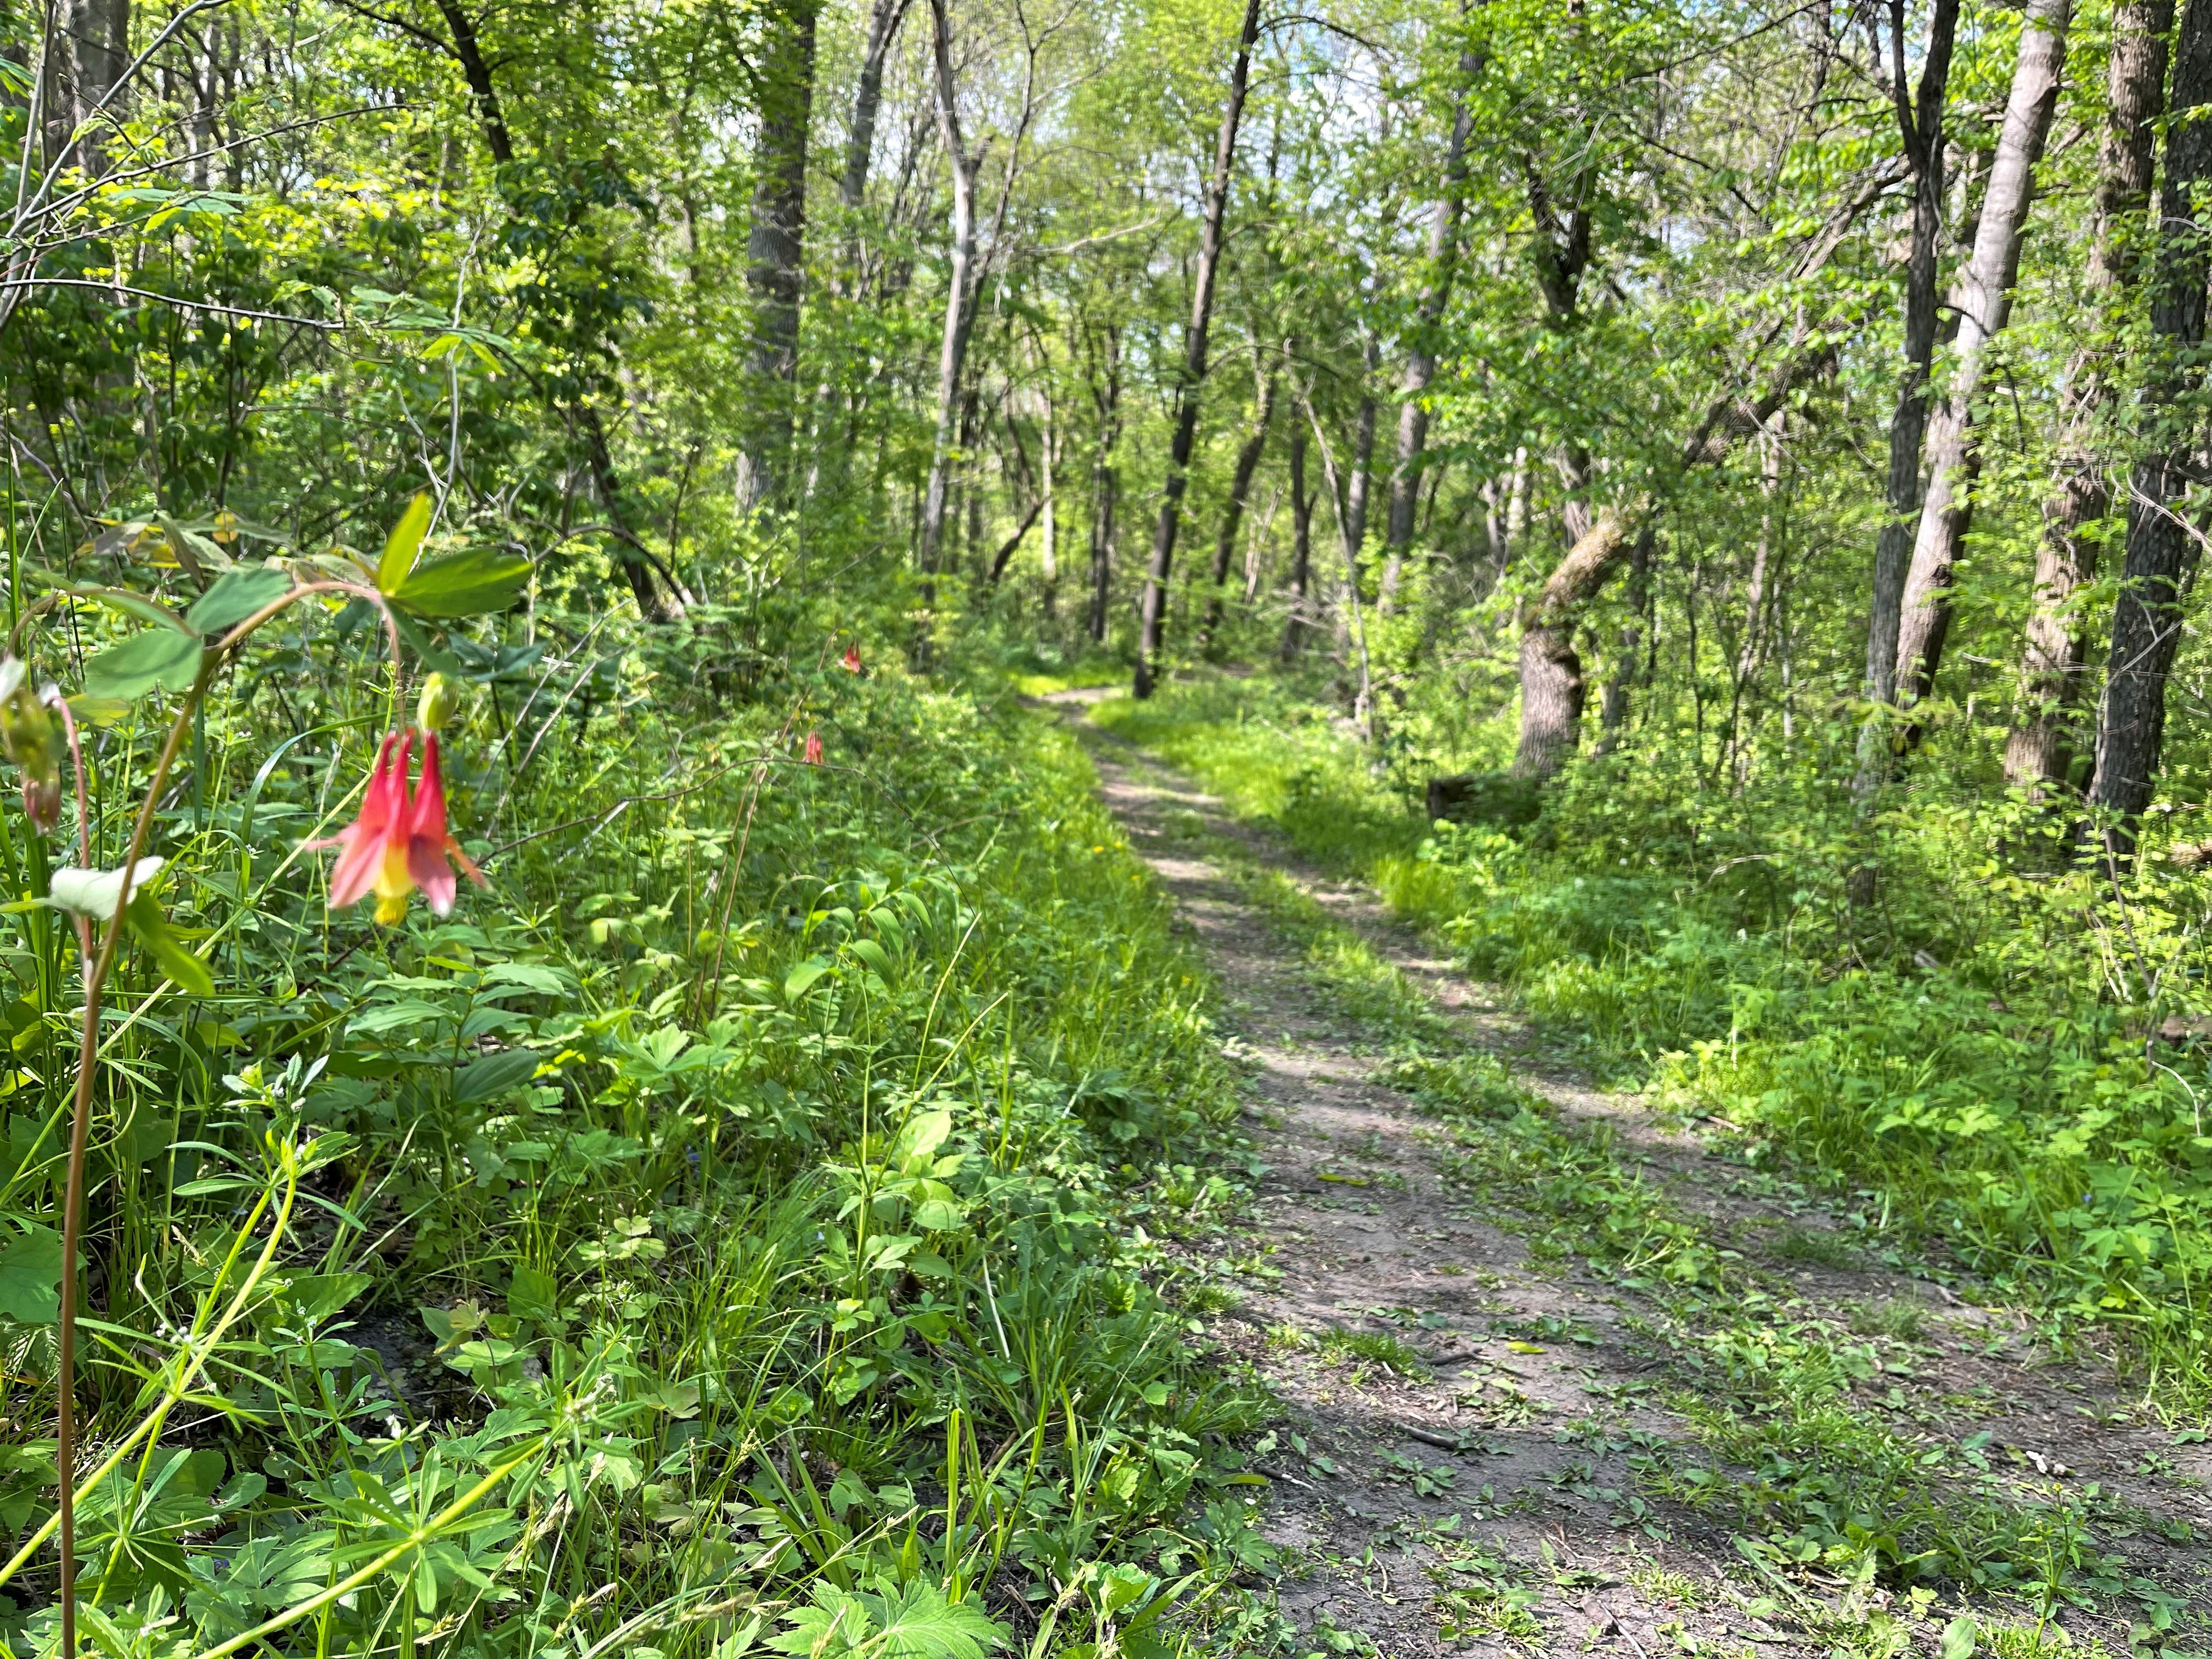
column 404, row 545
column 144, row 913
column 426, row 650
column 532, row 1294
column 797, row 981
column 166, row 656
column 492, row 1076
column 237, row 594
column 909, row 1621
column 31, row 1277
column 1959, row 1636
column 465, row 584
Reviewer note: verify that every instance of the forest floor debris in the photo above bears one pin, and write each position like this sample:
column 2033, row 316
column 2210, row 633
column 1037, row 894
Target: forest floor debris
column 1561, row 1377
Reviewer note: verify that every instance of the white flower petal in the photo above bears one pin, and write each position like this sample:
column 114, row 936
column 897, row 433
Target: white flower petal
column 94, row 892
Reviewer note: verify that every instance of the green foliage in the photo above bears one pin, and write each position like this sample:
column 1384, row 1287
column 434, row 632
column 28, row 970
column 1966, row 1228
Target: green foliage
column 1948, row 1057
column 726, row 1210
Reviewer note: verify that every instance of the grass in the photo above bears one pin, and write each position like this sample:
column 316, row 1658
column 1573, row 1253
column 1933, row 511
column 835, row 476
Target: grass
column 1967, row 1064
column 722, row 1233
column 1788, row 1440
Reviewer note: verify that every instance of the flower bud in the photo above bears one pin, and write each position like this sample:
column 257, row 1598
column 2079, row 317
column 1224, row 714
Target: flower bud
column 42, row 803
column 440, row 701
column 31, row 738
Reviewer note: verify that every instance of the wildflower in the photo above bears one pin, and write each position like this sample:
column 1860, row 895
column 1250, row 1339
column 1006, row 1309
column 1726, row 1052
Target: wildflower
column 33, row 738
column 399, row 843
column 813, row 753
column 852, row 662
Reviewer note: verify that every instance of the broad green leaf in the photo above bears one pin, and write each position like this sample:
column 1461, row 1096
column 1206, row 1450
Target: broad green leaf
column 166, row 656
column 533, row 1294
column 191, row 973
column 237, row 594
column 404, row 545
column 801, row 977
column 30, row 1276
column 463, row 585
column 925, row 1132
column 1960, row 1636
column 124, row 603
column 98, row 711
column 524, row 975
column 94, row 892
column 493, row 1075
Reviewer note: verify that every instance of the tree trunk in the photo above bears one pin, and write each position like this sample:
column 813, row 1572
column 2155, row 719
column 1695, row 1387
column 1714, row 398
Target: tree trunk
column 2162, row 549
column 1981, row 300
column 884, row 17
column 2039, row 751
column 90, row 50
column 1295, row 630
column 1922, row 127
column 635, row 562
column 1049, row 551
column 959, row 313
column 1613, row 708
column 1352, row 509
column 1552, row 689
column 1421, row 354
column 1232, row 516
column 476, row 70
column 1105, row 482
column 777, row 247
column 1152, row 609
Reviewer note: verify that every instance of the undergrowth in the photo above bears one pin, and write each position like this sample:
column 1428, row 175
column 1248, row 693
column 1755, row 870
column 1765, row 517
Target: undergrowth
column 719, row 1238
column 1997, row 1060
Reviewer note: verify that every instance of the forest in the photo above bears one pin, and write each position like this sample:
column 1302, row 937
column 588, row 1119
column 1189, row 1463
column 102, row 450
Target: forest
column 719, row 707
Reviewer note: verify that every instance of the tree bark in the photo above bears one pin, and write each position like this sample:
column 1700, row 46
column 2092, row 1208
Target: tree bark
column 85, row 62
column 884, row 17
column 1049, row 551
column 2039, row 751
column 476, row 70
column 2161, row 549
column 1552, row 688
column 1981, row 300
column 1151, row 613
column 776, row 249
column 1105, row 480
column 635, row 562
column 1421, row 354
column 959, row 313
column 1232, row 516
column 1295, row 629
column 1921, row 125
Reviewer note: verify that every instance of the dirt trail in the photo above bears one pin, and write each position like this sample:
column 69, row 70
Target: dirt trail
column 1499, row 1495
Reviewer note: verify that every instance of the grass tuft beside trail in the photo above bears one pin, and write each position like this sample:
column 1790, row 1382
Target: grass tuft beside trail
column 1972, row 1062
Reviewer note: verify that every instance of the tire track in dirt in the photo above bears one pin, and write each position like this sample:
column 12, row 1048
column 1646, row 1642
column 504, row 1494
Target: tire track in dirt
column 1485, row 1499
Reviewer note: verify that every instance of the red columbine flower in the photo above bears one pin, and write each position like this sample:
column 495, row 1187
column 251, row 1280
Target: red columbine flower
column 813, row 753
column 397, row 843
column 852, row 663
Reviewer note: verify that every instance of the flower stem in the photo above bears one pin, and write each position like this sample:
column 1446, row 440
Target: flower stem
column 95, row 976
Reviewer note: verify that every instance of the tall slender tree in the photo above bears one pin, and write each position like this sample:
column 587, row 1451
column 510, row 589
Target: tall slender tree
column 1981, row 303
column 2163, row 547
column 959, row 305
column 1920, row 132
column 1442, row 266
column 1152, row 613
column 2038, row 751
